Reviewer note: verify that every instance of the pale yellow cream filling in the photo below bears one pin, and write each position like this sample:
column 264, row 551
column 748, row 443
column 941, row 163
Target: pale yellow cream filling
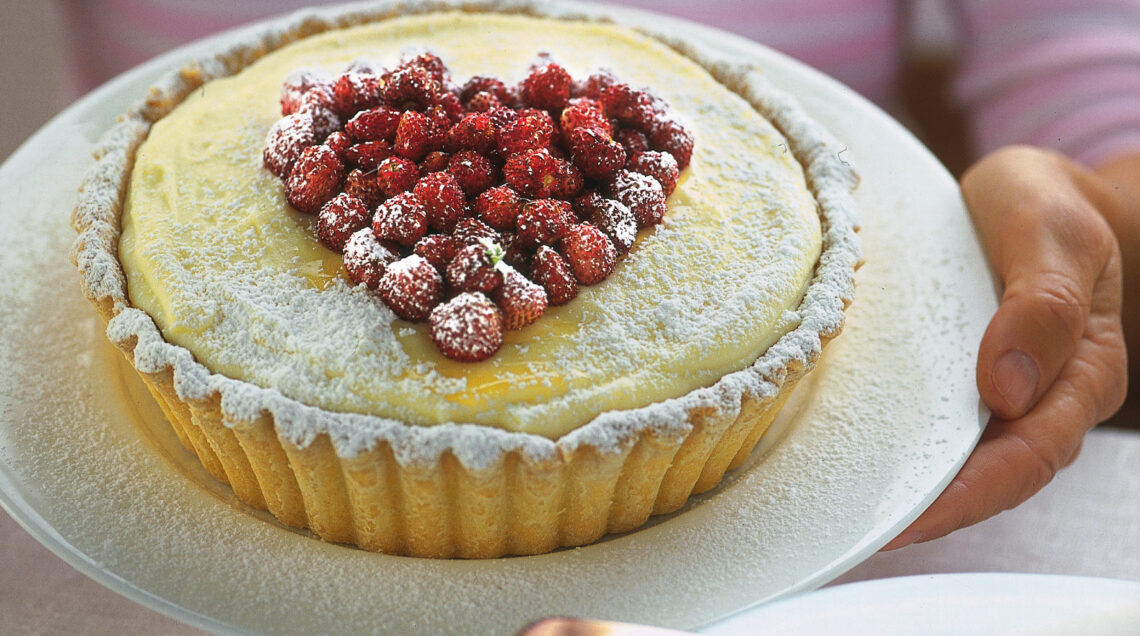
column 228, row 270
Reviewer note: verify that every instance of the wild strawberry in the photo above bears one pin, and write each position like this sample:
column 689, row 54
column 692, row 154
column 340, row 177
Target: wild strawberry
column 550, row 270
column 482, row 102
column 597, row 155
column 501, row 116
column 543, row 221
column 355, row 91
column 499, row 207
column 597, row 82
column 416, row 135
column 315, row 178
column 366, row 258
column 474, row 172
column 612, row 217
column 396, row 175
column 286, row 140
column 296, row 85
column 583, row 113
column 642, row 194
column 339, row 219
column 340, row 143
column 634, row 141
column 527, row 132
column 659, row 165
column 568, row 181
column 474, row 132
column 515, row 253
column 325, row 120
column 546, row 87
column 410, row 88
column 449, row 104
column 521, row 301
column 364, row 186
column 472, row 231
column 401, row 219
column 468, row 328
column 475, row 268
column 438, row 249
column 434, row 161
column 440, row 120
column 411, row 288
column 629, row 106
column 670, row 136
column 589, row 252
column 443, row 199
column 492, row 86
column 532, row 173
column 431, row 63
column 367, row 155
column 374, row 124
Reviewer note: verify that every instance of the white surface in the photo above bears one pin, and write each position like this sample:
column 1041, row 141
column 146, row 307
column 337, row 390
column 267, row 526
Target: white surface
column 949, row 604
column 888, row 418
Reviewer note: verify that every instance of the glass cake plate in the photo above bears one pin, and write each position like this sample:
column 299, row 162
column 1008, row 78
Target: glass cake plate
column 865, row 444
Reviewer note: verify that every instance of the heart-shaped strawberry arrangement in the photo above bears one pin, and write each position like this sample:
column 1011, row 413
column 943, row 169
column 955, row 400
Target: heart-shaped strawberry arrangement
column 475, row 206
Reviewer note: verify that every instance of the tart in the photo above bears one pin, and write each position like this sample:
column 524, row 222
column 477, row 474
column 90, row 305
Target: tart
column 316, row 402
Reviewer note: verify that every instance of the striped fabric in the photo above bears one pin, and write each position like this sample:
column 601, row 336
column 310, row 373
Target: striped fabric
column 1063, row 74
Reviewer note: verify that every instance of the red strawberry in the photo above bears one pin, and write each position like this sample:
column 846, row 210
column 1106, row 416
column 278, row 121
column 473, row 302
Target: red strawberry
column 410, row 88
column 367, row 155
column 492, row 86
column 467, row 328
column 339, row 219
column 438, row 249
column 355, row 91
column 339, row 142
column 474, row 172
column 634, row 141
column 641, row 194
column 411, row 288
column 366, row 258
column 286, row 140
column 448, row 103
column 442, row 198
column 297, row 85
column 589, row 253
column 593, row 85
column 521, row 301
column 550, row 270
column 431, row 63
column 659, row 165
column 474, row 132
column 499, row 207
column 475, row 268
column 547, row 87
column 597, row 155
column 482, row 102
column 472, row 231
column 584, row 113
column 435, row 161
column 527, row 132
column 501, row 116
column 629, row 106
column 401, row 219
column 568, row 182
column 671, row 137
column 543, row 221
column 416, row 135
column 364, row 186
column 316, row 177
column 515, row 253
column 611, row 217
column 374, row 124
column 396, row 175
column 532, row 173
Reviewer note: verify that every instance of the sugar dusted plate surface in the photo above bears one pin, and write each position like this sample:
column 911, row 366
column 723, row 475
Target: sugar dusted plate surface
column 879, row 429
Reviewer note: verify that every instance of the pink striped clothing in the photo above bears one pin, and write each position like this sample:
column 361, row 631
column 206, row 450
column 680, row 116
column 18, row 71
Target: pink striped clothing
column 1062, row 74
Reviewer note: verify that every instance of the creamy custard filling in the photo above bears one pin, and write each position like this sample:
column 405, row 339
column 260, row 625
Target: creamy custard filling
column 228, row 270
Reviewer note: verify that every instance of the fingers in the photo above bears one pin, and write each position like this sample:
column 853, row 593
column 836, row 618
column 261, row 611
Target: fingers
column 1050, row 247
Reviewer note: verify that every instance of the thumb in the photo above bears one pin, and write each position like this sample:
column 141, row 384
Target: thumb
column 1044, row 239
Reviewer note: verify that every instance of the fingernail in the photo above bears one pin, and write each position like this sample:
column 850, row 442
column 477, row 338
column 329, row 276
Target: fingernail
column 1015, row 376
column 903, row 540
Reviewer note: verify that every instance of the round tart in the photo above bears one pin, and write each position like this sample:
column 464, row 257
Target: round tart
column 313, row 400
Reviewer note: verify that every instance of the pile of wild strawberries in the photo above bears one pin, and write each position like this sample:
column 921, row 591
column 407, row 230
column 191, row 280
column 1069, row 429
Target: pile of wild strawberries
column 475, row 206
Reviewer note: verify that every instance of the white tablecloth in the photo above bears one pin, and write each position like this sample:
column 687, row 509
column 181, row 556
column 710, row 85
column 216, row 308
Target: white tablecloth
column 1087, row 522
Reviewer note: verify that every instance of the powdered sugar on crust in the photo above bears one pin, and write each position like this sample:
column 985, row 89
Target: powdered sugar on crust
column 819, row 316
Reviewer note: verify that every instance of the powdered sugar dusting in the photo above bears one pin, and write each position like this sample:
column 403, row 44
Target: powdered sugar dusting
column 356, row 315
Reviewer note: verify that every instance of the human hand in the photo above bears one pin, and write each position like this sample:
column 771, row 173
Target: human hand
column 1052, row 362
